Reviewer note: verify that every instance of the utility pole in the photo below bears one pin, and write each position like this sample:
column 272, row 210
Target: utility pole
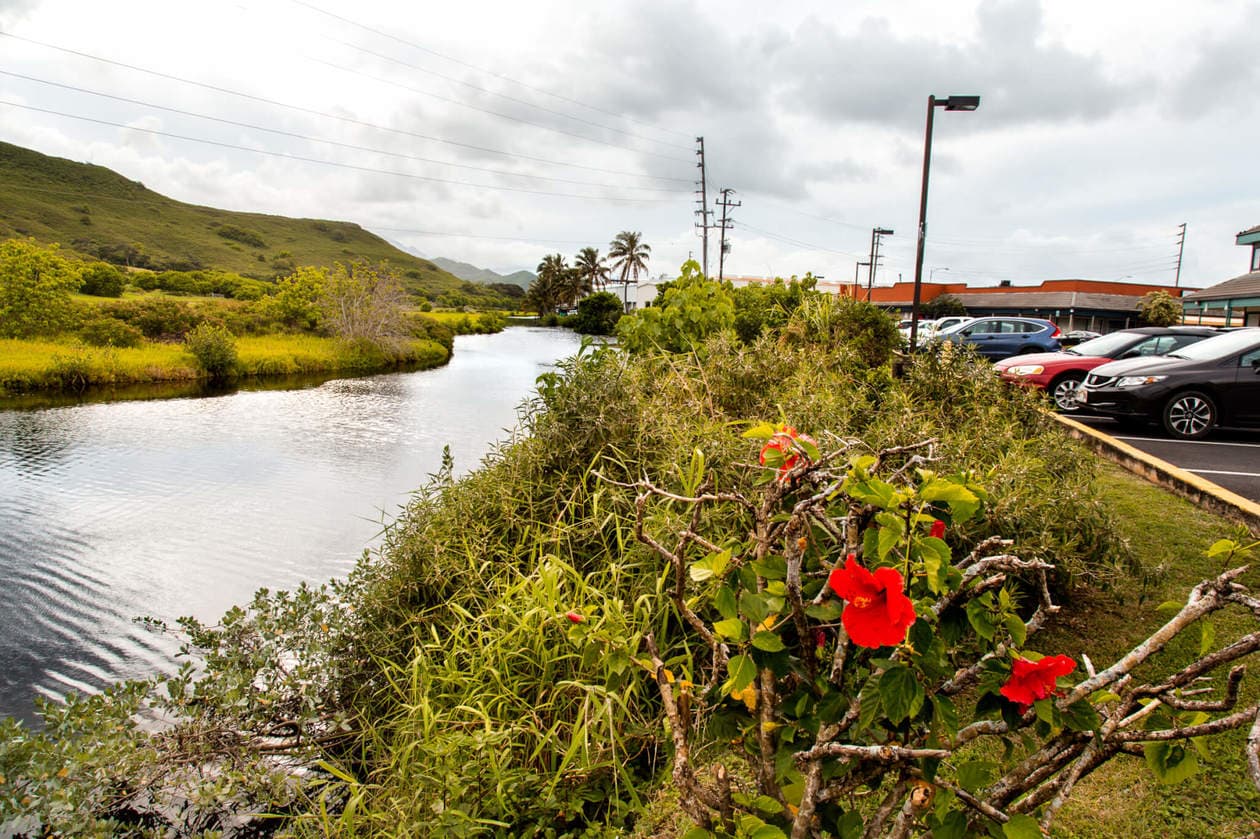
column 704, row 212
column 856, row 282
column 1181, row 248
column 724, row 225
column 877, row 233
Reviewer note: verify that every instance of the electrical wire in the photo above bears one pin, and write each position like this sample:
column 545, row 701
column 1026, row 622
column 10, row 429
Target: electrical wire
column 337, row 143
column 304, row 159
column 338, row 117
column 796, row 242
column 501, row 76
column 480, row 236
column 494, row 93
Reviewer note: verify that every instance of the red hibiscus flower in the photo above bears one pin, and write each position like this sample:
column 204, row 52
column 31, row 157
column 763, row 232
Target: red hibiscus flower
column 574, row 617
column 783, row 442
column 878, row 613
column 938, row 529
column 1033, row 680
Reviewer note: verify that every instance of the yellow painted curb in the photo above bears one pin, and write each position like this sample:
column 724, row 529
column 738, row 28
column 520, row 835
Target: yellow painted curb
column 1186, row 484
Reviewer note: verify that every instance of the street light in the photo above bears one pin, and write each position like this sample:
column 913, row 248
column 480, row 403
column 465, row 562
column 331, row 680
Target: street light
column 932, row 273
column 951, row 103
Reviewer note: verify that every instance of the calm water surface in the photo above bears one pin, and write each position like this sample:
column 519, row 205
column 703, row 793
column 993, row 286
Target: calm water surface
column 187, row 506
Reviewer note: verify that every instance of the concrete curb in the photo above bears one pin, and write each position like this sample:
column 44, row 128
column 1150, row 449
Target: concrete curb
column 1186, row 484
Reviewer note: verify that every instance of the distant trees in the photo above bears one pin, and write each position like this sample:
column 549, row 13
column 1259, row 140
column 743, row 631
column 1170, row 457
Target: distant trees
column 942, row 306
column 35, row 287
column 590, row 265
column 552, row 286
column 1159, row 308
column 296, row 301
column 100, row 279
column 629, row 255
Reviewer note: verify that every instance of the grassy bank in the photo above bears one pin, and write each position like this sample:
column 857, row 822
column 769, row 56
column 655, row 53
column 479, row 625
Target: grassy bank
column 29, row 365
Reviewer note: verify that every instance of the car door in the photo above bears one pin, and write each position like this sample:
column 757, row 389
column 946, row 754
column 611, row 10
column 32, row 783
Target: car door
column 1242, row 401
column 983, row 335
column 1008, row 338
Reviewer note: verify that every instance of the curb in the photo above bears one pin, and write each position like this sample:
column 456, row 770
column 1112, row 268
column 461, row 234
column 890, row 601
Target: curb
column 1186, row 484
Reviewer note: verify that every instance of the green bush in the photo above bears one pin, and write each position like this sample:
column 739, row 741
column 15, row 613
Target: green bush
column 598, row 314
column 110, row 332
column 694, row 308
column 240, row 234
column 214, row 349
column 155, row 317
column 101, row 279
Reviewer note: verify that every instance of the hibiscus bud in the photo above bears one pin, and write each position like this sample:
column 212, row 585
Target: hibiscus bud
column 574, row 617
column 938, row 529
column 820, row 638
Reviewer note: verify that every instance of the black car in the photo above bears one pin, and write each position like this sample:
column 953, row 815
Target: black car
column 1213, row 382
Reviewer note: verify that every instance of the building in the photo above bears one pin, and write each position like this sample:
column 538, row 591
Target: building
column 1234, row 302
column 1096, row 305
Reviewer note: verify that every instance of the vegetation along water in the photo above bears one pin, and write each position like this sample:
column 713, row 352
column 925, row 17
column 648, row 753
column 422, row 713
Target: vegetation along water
column 737, row 579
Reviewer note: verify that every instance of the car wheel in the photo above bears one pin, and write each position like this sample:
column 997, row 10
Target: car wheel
column 1063, row 391
column 1189, row 415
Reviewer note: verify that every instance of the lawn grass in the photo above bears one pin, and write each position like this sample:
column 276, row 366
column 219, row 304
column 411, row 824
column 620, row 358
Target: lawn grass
column 1123, row 798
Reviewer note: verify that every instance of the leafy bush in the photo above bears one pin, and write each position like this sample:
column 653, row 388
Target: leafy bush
column 35, row 287
column 598, row 314
column 110, row 332
column 694, row 307
column 101, row 279
column 758, row 307
column 240, row 234
column 155, row 317
column 214, row 348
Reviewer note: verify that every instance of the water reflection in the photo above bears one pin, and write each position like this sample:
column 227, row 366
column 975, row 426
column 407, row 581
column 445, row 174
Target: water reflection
column 187, row 505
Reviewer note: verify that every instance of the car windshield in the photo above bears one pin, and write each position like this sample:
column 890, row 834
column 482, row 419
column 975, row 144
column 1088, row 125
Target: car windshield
column 1106, row 346
column 1219, row 346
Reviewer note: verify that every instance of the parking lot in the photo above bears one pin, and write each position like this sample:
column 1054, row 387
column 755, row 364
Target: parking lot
column 1230, row 459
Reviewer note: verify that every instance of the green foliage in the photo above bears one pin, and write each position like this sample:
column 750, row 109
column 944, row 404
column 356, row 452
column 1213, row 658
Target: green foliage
column 214, row 348
column 240, row 234
column 110, row 332
column 1159, row 308
column 941, row 306
column 35, row 288
column 762, row 307
column 101, row 279
column 863, row 329
column 598, row 314
column 296, row 299
column 629, row 255
column 364, row 303
column 694, row 308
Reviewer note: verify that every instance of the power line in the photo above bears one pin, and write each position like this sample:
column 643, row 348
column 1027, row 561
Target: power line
column 303, row 159
column 480, row 236
column 326, row 115
column 796, row 242
column 489, row 92
column 499, row 114
column 501, row 76
column 337, row 143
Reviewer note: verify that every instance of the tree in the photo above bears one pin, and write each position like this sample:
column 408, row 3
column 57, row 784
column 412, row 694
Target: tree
column 591, row 266
column 100, row 279
column 694, row 308
column 35, row 287
column 1159, row 308
column 296, row 301
column 550, row 288
column 598, row 314
column 629, row 255
column 363, row 302
column 942, row 306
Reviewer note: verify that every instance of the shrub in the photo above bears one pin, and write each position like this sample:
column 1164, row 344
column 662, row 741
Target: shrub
column 110, row 332
column 101, row 279
column 155, row 317
column 35, row 287
column 598, row 314
column 694, row 307
column 240, row 234
column 214, row 348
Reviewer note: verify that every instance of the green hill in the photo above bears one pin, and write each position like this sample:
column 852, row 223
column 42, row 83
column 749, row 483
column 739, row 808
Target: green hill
column 95, row 212
column 465, row 271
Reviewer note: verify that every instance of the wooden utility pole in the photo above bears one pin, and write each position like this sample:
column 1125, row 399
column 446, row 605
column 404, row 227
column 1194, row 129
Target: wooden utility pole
column 704, row 212
column 877, row 234
column 1181, row 248
column 724, row 225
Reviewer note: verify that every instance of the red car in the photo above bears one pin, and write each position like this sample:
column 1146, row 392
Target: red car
column 1060, row 373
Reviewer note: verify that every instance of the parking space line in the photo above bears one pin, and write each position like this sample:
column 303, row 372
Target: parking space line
column 1190, row 442
column 1218, row 472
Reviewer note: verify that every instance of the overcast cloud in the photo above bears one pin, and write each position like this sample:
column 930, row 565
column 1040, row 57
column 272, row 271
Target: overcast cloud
column 495, row 133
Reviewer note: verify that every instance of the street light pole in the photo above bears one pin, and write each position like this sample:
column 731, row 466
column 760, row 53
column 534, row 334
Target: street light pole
column 951, row 103
column 932, row 273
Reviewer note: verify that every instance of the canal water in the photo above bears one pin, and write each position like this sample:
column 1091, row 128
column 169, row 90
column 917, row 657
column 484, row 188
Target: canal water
column 186, row 506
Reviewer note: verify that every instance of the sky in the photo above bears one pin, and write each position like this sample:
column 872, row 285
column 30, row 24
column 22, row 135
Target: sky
column 495, row 133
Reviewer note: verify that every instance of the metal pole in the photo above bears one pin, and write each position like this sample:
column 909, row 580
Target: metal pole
column 923, row 199
column 1181, row 248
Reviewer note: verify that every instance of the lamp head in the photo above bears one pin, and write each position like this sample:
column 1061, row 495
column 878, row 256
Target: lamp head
column 962, row 103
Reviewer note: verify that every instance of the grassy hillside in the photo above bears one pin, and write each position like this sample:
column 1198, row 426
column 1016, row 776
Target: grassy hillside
column 96, row 212
column 466, row 271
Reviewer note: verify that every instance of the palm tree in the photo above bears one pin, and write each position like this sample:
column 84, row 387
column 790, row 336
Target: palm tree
column 629, row 254
column 549, row 289
column 590, row 265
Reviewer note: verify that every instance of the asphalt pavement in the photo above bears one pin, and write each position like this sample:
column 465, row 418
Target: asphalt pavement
column 1229, row 459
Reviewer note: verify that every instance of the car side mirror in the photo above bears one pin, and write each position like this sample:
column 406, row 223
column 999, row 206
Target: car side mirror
column 1255, row 365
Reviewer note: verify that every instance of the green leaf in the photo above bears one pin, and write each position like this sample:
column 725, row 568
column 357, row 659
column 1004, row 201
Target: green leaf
column 1022, row 826
column 1207, row 636
column 1019, row 632
column 872, row 706
column 946, row 714
column 732, row 628
column 872, row 491
column 936, row 560
column 769, row 642
column 1222, row 546
column 767, row 831
column 953, row 826
column 980, row 618
column 828, row 610
column 976, row 774
column 889, row 538
column 1171, row 762
column 699, row 833
column 1170, row 606
column 1081, row 716
column 950, row 492
column 724, row 602
column 713, row 565
column 901, row 693
column 849, row 826
column 771, row 568
column 760, row 431
column 742, row 670
column 753, row 606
